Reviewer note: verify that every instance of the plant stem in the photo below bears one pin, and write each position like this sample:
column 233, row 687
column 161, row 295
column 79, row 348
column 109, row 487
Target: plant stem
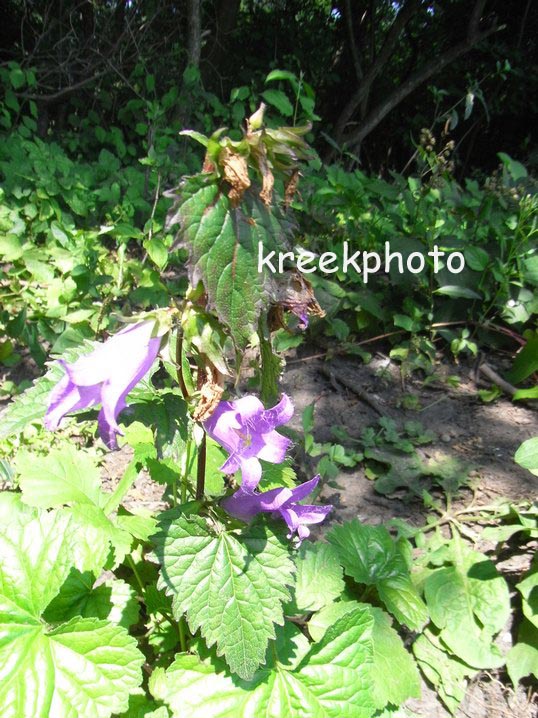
column 200, row 474
column 182, row 637
column 135, row 573
column 124, row 484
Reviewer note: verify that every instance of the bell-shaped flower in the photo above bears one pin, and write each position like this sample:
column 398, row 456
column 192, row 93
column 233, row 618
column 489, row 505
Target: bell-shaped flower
column 105, row 376
column 283, row 502
column 247, row 431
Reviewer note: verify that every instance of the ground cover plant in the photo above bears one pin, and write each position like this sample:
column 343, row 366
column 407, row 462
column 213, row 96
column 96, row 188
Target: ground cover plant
column 134, row 323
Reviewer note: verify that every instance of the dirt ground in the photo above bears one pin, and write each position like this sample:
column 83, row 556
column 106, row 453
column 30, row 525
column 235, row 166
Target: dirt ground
column 482, row 436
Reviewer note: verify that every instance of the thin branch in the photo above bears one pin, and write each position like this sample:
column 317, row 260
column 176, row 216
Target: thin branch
column 391, row 40
column 415, row 80
column 352, row 43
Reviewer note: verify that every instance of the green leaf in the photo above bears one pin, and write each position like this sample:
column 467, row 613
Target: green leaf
column 515, row 168
column 282, row 75
column 523, row 394
column 65, row 475
column 157, row 251
column 230, row 585
column 84, row 668
column 390, row 658
column 17, row 78
column 371, row 557
column 11, row 248
column 141, row 707
column 277, row 476
column 522, row 659
column 223, row 244
column 319, row 577
column 454, row 290
column 528, row 589
column 530, row 270
column 332, row 681
column 279, row 99
column 447, row 674
column 469, row 602
column 113, row 599
column 477, row 258
column 527, row 455
column 526, row 361
column 202, row 139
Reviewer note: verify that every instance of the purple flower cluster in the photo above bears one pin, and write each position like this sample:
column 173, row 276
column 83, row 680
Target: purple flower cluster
column 248, row 433
column 243, row 427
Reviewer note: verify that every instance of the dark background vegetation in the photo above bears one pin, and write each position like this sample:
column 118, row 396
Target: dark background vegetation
column 380, row 70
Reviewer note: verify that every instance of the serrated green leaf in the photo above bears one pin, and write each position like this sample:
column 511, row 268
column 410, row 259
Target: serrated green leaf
column 230, row 585
column 395, row 673
column 223, row 250
column 332, row 681
column 469, row 602
column 528, row 587
column 141, row 707
column 319, row 578
column 279, row 99
column 81, row 669
column 103, row 529
column 63, row 476
column 371, row 557
column 277, row 476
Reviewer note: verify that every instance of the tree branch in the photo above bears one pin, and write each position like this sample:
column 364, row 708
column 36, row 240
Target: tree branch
column 194, row 40
column 391, row 40
column 411, row 84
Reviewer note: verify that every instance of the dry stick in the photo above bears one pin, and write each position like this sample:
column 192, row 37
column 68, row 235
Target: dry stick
column 352, row 386
column 492, row 375
column 437, row 325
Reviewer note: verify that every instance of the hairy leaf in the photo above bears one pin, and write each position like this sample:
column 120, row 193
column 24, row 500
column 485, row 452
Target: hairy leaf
column 223, row 250
column 332, row 681
column 319, row 578
column 230, row 585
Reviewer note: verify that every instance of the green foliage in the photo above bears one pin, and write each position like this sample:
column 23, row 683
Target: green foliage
column 84, row 664
column 496, row 235
column 372, row 558
column 331, row 680
column 469, row 603
column 230, row 586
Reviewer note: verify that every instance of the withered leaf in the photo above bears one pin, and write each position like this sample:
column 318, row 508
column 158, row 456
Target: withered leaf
column 211, row 388
column 235, row 170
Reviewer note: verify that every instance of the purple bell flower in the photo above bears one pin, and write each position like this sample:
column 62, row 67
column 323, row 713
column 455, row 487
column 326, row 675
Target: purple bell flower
column 105, row 376
column 281, row 502
column 247, row 431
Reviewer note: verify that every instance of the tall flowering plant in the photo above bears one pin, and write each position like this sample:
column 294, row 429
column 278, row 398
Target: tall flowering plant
column 216, row 590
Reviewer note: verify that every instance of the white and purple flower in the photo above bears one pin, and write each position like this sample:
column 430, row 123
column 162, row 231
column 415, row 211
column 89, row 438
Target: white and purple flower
column 247, row 431
column 105, row 376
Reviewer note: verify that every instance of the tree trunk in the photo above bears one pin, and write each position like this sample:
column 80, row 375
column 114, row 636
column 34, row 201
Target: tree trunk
column 194, row 39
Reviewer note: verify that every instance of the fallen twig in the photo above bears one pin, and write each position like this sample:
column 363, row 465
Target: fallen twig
column 352, row 386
